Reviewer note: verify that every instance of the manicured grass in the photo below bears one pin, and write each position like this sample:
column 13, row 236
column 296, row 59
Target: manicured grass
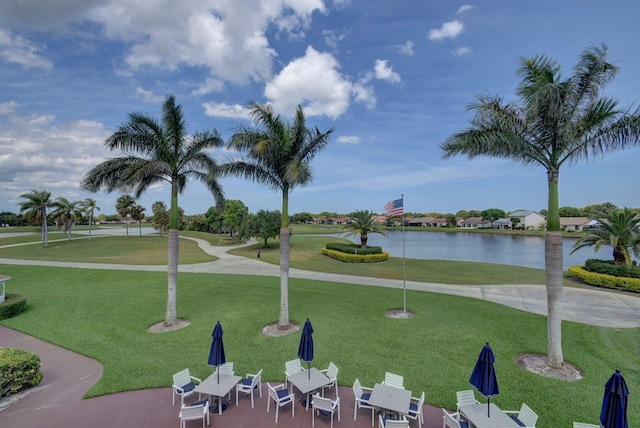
column 133, row 250
column 104, row 315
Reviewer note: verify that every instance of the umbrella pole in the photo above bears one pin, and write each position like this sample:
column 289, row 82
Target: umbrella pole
column 218, row 370
column 488, row 408
column 309, row 368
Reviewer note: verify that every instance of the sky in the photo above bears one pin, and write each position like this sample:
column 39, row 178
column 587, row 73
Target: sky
column 392, row 78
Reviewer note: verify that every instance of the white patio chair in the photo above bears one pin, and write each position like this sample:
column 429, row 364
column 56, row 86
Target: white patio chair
column 465, row 397
column 392, row 423
column 282, row 397
column 525, row 416
column 332, row 373
column 199, row 410
column 324, row 406
column 394, row 380
column 249, row 384
column 183, row 385
column 415, row 409
column 290, row 368
column 362, row 400
column 583, row 425
column 226, row 368
column 452, row 420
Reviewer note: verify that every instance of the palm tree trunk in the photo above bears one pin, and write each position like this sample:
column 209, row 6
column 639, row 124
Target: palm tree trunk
column 45, row 231
column 285, row 246
column 553, row 271
column 90, row 224
column 171, row 316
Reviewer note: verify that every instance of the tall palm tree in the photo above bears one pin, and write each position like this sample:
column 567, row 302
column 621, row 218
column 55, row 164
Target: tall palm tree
column 619, row 230
column 90, row 207
column 66, row 213
column 277, row 154
column 556, row 122
column 157, row 152
column 124, row 205
column 35, row 209
column 362, row 223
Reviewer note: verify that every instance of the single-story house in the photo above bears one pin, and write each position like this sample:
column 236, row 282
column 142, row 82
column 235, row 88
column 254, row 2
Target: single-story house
column 528, row 219
column 574, row 224
column 428, row 222
column 474, row 223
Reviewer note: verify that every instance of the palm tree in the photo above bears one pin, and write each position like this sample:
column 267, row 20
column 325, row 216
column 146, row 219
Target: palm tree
column 137, row 214
column 66, row 212
column 619, row 230
column 556, row 122
column 157, row 152
column 277, row 154
column 35, row 209
column 90, row 206
column 362, row 223
column 124, row 205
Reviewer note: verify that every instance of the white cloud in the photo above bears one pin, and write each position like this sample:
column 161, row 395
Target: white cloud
column 348, row 139
column 8, row 107
column 385, row 72
column 149, row 96
column 449, row 30
column 332, row 39
column 235, row 111
column 406, row 48
column 461, row 51
column 465, row 8
column 210, row 85
column 17, row 49
column 313, row 81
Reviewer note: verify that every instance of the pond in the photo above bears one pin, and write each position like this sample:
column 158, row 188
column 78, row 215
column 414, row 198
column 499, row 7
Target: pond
column 527, row 251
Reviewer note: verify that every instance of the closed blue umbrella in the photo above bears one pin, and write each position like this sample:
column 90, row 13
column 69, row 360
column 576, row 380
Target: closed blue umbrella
column 484, row 375
column 305, row 349
column 216, row 355
column 614, row 402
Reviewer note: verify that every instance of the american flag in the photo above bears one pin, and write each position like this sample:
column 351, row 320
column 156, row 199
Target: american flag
column 394, row 208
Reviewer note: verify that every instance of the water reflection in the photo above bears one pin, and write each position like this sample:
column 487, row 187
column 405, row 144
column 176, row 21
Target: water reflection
column 516, row 250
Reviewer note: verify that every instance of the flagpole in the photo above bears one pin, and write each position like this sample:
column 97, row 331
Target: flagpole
column 404, row 282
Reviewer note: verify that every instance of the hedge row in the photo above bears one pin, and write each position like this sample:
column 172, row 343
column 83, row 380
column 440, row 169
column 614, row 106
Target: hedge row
column 355, row 258
column 607, row 267
column 604, row 280
column 18, row 370
column 13, row 305
column 351, row 248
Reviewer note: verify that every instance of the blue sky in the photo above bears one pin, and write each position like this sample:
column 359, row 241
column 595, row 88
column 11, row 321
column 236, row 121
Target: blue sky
column 392, row 78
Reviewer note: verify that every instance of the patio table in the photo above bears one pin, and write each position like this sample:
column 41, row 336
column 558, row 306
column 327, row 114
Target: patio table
column 308, row 381
column 391, row 398
column 476, row 414
column 211, row 386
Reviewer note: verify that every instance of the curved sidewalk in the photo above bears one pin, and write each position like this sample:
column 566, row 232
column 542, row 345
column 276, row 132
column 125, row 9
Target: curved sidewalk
column 582, row 305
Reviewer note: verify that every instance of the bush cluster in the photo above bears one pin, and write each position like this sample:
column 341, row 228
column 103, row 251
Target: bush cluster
column 18, row 370
column 351, row 248
column 604, row 280
column 607, row 267
column 13, row 305
column 355, row 258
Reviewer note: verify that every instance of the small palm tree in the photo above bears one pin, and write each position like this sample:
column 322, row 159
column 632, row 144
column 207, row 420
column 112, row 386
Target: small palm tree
column 124, row 205
column 137, row 214
column 620, row 230
column 279, row 155
column 66, row 213
column 35, row 209
column 160, row 152
column 90, row 206
column 362, row 223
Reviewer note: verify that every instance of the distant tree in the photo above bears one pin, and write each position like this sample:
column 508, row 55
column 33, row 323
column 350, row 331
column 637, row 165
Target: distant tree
column 263, row 225
column 234, row 213
column 137, row 214
column 196, row 222
column 515, row 221
column 361, row 223
column 570, row 212
column 463, row 214
column 328, row 214
column 35, row 209
column 598, row 211
column 301, row 218
column 214, row 219
column 475, row 213
column 124, row 205
column 11, row 219
column 112, row 218
column 451, row 220
column 65, row 213
column 492, row 214
column 618, row 230
column 90, row 206
column 160, row 217
column 543, row 212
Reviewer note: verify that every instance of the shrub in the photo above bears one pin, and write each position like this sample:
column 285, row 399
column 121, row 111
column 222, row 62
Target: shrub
column 13, row 305
column 607, row 267
column 604, row 280
column 351, row 248
column 18, row 370
column 355, row 258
